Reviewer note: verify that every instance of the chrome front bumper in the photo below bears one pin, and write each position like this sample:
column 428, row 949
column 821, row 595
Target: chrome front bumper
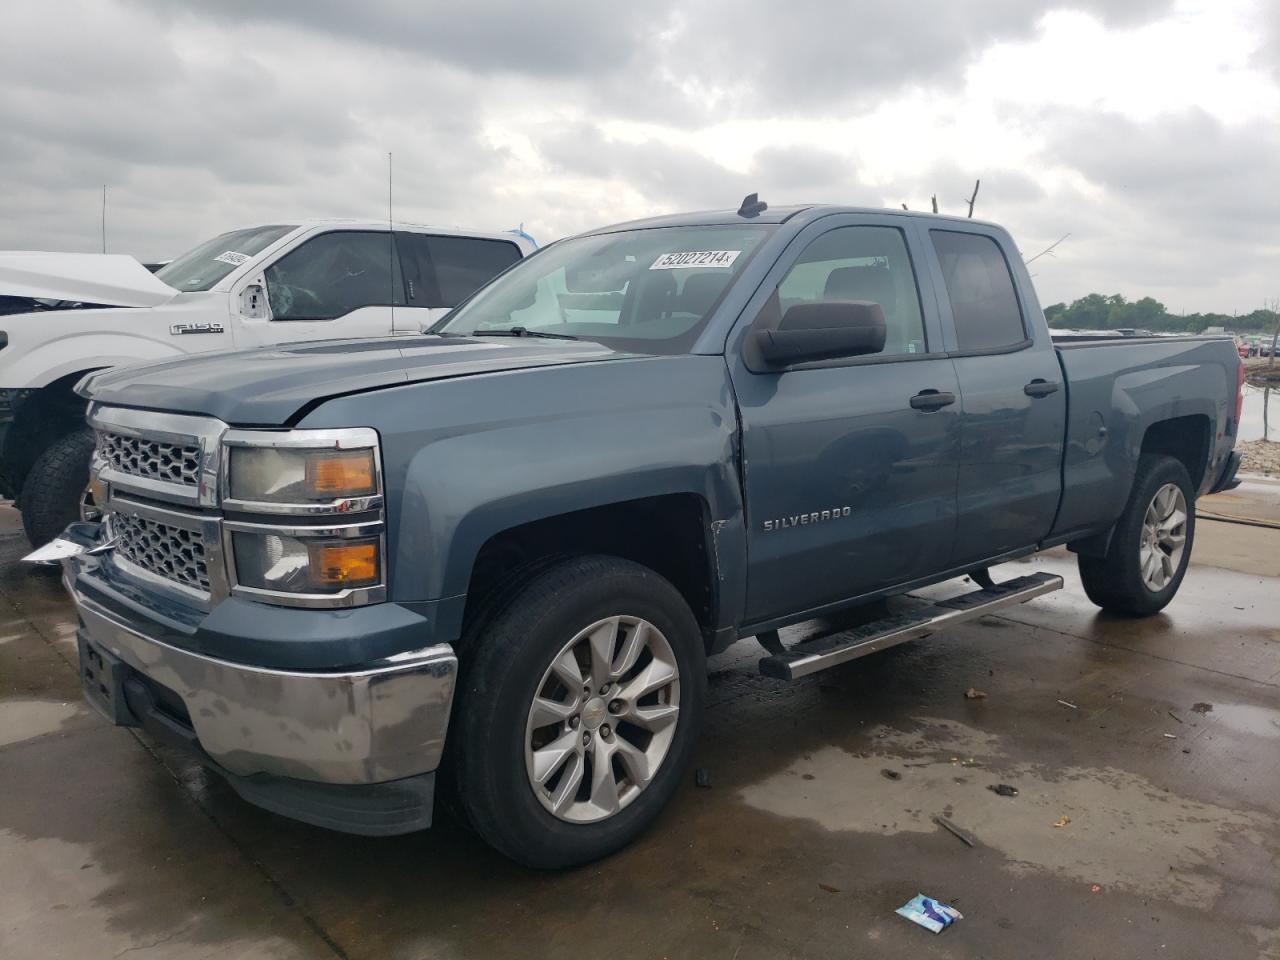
column 385, row 721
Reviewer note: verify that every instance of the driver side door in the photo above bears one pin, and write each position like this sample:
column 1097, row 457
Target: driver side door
column 850, row 464
column 335, row 285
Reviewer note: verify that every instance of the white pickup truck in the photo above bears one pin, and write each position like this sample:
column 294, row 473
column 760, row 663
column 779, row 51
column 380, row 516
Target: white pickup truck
column 273, row 284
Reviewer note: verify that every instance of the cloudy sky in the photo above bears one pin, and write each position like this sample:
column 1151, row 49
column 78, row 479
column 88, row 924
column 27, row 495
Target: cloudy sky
column 1149, row 130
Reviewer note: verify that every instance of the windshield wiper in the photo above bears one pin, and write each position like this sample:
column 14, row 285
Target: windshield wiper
column 521, row 332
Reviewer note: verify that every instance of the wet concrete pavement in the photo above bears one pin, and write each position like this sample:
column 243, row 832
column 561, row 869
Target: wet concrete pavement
column 1166, row 762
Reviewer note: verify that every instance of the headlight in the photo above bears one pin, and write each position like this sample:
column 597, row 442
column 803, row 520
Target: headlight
column 301, row 476
column 284, row 492
column 319, row 565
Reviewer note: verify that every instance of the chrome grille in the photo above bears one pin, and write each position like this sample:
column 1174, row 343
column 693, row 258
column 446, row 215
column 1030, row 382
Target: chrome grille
column 151, row 459
column 162, row 549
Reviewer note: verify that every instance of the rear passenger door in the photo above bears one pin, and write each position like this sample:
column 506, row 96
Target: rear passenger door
column 442, row 271
column 1013, row 397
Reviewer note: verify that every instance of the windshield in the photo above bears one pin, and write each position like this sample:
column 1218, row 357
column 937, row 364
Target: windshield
column 647, row 291
column 201, row 268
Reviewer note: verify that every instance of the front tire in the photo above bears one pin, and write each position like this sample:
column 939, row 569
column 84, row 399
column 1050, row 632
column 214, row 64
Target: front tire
column 579, row 703
column 54, row 489
column 1150, row 545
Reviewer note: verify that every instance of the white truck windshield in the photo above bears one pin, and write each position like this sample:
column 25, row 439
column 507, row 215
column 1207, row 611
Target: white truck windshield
column 202, row 267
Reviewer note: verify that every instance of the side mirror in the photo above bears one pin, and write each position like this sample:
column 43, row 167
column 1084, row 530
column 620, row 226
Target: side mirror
column 826, row 330
column 253, row 301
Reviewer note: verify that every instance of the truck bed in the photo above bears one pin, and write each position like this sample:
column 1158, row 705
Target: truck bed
column 1116, row 388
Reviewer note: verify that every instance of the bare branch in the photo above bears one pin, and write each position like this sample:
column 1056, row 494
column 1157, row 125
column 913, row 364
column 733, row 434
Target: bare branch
column 1048, row 250
column 976, row 184
column 934, row 198
column 904, row 206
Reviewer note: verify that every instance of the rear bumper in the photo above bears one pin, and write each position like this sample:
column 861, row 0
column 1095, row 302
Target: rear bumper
column 1227, row 478
column 352, row 750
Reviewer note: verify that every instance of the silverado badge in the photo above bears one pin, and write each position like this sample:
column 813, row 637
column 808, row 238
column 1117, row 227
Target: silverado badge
column 797, row 519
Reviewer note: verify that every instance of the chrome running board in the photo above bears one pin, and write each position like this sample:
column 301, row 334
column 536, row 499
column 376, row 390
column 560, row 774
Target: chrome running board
column 833, row 649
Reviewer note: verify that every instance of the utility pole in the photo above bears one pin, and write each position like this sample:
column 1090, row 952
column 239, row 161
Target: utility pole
column 104, row 218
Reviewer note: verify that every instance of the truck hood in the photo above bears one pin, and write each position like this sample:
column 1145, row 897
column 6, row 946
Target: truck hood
column 269, row 386
column 107, row 278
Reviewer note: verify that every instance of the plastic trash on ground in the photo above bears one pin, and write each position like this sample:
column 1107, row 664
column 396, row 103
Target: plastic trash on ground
column 929, row 913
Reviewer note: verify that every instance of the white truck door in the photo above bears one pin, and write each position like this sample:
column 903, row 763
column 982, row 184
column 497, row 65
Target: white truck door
column 336, row 285
column 441, row 271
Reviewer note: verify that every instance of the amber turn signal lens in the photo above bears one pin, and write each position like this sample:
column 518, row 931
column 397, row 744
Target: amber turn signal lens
column 97, row 490
column 346, row 564
column 340, row 473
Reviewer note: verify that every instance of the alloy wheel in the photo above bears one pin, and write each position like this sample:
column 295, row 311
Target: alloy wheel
column 1164, row 537
column 602, row 719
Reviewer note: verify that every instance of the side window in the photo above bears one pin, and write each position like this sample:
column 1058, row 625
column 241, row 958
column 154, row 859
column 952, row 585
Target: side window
column 983, row 301
column 450, row 269
column 861, row 263
column 333, row 274
column 419, row 275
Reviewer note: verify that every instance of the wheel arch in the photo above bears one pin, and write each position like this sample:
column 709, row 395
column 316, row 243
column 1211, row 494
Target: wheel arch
column 1188, row 439
column 41, row 416
column 672, row 534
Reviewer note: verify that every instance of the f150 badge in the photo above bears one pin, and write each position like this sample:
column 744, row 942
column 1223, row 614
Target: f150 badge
column 178, row 329
column 799, row 519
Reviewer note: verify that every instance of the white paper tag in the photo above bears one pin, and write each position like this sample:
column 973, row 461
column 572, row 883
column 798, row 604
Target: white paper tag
column 53, row 551
column 695, row 258
column 231, row 257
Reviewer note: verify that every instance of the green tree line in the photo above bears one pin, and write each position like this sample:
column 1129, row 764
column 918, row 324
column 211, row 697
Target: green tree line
column 1098, row 312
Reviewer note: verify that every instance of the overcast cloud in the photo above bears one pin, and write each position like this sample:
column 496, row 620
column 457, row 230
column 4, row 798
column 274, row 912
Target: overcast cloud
column 1147, row 129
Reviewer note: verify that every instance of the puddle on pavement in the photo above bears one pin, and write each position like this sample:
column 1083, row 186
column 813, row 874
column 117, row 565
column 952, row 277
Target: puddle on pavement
column 24, row 719
column 1260, row 414
column 1246, row 718
column 1124, row 830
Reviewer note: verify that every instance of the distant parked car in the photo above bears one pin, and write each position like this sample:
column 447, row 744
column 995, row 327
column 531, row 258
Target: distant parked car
column 254, row 287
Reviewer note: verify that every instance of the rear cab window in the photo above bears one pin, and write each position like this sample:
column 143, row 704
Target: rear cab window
column 442, row 271
column 984, row 302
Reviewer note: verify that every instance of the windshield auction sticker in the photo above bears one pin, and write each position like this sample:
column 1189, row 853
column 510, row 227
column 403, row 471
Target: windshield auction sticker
column 695, row 258
column 231, row 257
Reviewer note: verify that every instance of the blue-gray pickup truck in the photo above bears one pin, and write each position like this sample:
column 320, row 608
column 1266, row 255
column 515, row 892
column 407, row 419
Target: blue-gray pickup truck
column 498, row 556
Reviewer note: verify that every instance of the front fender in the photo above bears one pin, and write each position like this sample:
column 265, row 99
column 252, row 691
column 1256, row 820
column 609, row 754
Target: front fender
column 466, row 459
column 76, row 352
column 44, row 347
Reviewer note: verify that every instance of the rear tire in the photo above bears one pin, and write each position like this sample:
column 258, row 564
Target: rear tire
column 539, row 633
column 1150, row 545
column 55, row 487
